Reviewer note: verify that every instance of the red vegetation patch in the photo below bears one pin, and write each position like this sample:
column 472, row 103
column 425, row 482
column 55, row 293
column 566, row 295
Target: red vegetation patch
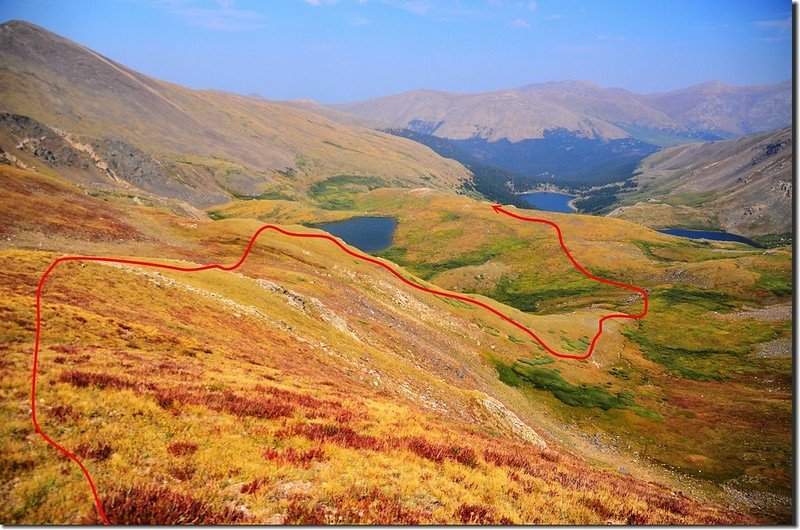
column 296, row 457
column 80, row 359
column 153, row 505
column 253, row 486
column 576, row 480
column 528, row 461
column 601, row 508
column 438, row 453
column 344, row 436
column 336, row 434
column 296, row 398
column 182, row 472
column 99, row 452
column 371, row 507
column 64, row 413
column 66, row 348
column 313, row 407
column 676, row 504
column 84, row 379
column 476, row 514
column 225, row 401
column 524, row 461
column 13, row 466
column 173, row 368
column 182, row 448
column 258, row 407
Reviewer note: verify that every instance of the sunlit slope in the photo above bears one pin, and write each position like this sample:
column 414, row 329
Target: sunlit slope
column 203, row 143
column 307, row 387
column 658, row 391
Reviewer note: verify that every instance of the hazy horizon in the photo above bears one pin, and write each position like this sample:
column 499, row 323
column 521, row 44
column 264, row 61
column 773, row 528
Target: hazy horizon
column 338, row 51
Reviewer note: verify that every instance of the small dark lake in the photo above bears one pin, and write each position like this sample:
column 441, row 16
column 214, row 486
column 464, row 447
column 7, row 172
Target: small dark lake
column 369, row 234
column 714, row 236
column 549, row 201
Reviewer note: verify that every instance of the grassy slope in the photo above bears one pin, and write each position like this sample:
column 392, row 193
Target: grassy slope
column 348, row 399
column 701, row 344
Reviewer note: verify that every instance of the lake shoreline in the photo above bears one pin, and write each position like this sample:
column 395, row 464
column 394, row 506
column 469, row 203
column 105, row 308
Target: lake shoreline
column 367, row 233
column 710, row 235
column 551, row 201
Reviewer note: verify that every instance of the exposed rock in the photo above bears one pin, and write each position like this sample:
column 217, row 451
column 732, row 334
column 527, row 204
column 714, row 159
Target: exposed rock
column 129, row 163
column 309, row 305
column 498, row 410
column 768, row 313
column 39, row 140
column 293, row 488
column 775, row 349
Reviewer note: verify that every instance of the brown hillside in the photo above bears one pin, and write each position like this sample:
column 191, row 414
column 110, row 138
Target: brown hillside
column 742, row 186
column 244, row 145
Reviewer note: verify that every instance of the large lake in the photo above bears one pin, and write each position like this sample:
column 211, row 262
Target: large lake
column 370, row 234
column 549, row 201
column 714, row 236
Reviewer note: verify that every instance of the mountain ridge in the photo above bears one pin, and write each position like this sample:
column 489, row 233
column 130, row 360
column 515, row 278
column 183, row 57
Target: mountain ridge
column 229, row 142
column 743, row 185
column 584, row 108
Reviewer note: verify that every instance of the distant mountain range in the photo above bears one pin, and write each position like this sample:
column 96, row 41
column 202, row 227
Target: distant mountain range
column 709, row 111
column 574, row 131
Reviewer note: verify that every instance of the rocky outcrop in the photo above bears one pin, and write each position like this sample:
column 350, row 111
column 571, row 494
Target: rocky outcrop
column 131, row 164
column 39, row 140
column 512, row 421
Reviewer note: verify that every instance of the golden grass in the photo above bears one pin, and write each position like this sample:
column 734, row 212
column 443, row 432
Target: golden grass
column 344, row 397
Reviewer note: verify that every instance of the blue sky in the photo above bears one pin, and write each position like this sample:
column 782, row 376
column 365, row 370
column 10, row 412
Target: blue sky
column 345, row 50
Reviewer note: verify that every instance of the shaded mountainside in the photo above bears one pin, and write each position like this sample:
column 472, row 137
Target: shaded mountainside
column 502, row 168
column 495, row 183
column 207, row 146
column 743, row 186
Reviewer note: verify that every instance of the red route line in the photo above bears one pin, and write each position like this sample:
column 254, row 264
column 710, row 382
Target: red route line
column 497, row 208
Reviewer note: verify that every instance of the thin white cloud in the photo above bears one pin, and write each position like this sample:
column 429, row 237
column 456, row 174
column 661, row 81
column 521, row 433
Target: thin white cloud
column 359, row 21
column 780, row 25
column 219, row 16
column 440, row 10
column 783, row 24
column 520, row 23
column 420, row 7
column 778, row 29
column 317, row 3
